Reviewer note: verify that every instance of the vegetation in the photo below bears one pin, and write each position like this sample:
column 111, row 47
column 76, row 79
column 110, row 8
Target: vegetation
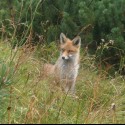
column 26, row 96
column 29, row 35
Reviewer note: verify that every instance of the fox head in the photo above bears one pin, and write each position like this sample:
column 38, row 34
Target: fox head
column 69, row 48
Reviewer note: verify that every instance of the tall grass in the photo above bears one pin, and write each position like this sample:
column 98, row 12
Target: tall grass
column 26, row 96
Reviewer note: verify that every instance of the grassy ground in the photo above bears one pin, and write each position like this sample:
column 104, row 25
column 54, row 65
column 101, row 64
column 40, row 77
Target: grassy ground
column 27, row 97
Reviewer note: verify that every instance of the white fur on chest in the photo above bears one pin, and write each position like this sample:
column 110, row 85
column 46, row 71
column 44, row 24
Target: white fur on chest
column 69, row 72
column 68, row 69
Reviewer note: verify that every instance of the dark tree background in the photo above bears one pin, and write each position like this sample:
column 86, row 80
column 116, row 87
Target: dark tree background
column 42, row 21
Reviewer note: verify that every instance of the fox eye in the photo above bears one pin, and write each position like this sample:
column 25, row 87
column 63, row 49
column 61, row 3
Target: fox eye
column 63, row 50
column 70, row 51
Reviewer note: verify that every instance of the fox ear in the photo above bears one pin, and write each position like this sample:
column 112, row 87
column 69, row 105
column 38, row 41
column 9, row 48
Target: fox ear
column 62, row 38
column 77, row 41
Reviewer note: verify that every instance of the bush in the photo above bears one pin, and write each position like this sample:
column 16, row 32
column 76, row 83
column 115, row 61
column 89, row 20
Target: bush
column 42, row 22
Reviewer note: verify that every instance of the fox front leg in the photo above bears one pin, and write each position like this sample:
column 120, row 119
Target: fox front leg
column 70, row 87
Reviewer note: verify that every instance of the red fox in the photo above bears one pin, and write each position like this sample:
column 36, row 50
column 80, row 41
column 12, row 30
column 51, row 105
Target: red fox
column 66, row 67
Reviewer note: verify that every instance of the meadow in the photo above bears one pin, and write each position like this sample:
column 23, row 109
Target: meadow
column 27, row 96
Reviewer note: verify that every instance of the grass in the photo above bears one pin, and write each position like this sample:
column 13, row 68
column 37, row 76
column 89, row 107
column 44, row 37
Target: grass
column 27, row 97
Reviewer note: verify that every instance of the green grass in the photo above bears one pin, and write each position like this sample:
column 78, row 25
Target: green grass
column 27, row 97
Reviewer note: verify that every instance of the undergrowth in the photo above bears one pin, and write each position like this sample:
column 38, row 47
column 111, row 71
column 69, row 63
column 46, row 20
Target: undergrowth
column 26, row 96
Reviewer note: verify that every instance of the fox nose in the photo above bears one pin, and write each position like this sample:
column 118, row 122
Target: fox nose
column 63, row 57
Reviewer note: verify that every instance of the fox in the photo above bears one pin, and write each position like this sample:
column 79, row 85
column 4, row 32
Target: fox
column 65, row 70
